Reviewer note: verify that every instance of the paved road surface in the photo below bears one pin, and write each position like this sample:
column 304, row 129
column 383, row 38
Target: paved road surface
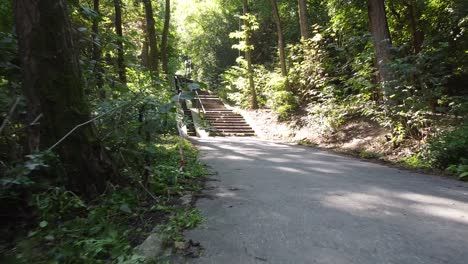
column 278, row 203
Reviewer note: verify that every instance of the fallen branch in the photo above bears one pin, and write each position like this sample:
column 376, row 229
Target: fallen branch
column 146, row 190
column 85, row 123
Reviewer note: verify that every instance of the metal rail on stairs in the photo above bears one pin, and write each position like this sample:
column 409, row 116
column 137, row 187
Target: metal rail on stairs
column 200, row 103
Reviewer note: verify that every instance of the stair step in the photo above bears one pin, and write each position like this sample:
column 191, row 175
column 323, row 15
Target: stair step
column 233, row 134
column 231, row 126
column 227, row 118
column 220, row 112
column 223, row 116
column 223, row 121
column 229, row 123
column 248, row 129
column 232, row 130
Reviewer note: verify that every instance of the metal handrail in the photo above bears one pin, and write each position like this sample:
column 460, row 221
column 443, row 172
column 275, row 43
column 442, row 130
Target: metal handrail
column 199, row 102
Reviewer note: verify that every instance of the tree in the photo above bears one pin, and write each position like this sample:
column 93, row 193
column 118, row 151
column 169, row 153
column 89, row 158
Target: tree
column 416, row 32
column 248, row 56
column 52, row 78
column 97, row 51
column 165, row 36
column 303, row 23
column 382, row 41
column 151, row 35
column 279, row 32
column 119, row 42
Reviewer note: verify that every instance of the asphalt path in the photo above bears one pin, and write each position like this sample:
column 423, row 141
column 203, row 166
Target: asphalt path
column 280, row 203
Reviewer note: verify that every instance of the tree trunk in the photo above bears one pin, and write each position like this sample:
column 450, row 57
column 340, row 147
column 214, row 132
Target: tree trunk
column 97, row 53
column 165, row 36
column 52, row 77
column 248, row 58
column 120, row 51
column 279, row 32
column 303, row 23
column 418, row 34
column 144, row 48
column 151, row 33
column 382, row 42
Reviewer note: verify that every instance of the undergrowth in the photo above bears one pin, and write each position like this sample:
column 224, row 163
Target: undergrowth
column 68, row 229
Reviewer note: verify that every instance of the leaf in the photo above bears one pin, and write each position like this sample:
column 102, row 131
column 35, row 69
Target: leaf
column 43, row 224
column 125, row 208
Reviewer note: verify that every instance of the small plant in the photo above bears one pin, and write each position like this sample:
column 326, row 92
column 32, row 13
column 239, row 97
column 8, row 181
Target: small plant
column 460, row 170
column 415, row 161
column 368, row 154
column 180, row 220
column 306, row 142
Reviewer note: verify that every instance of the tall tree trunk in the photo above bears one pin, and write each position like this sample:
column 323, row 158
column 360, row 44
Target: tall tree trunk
column 120, row 47
column 303, row 21
column 26, row 19
column 279, row 32
column 52, row 76
column 418, row 34
column 382, row 42
column 144, row 48
column 97, row 53
column 151, row 33
column 165, row 37
column 248, row 58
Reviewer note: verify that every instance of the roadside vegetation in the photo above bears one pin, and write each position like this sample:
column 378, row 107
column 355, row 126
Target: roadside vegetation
column 89, row 148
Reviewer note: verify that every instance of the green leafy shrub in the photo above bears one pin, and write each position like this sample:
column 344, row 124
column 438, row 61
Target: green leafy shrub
column 450, row 148
column 460, row 170
column 283, row 103
column 415, row 161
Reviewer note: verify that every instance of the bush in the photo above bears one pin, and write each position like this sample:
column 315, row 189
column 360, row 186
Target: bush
column 283, row 103
column 450, row 148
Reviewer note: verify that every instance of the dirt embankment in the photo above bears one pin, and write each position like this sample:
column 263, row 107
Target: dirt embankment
column 360, row 137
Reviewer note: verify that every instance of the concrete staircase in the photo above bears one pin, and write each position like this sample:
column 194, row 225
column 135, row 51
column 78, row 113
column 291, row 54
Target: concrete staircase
column 223, row 121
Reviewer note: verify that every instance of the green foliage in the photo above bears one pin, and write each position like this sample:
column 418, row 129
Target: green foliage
column 180, row 220
column 415, row 161
column 249, row 25
column 270, row 87
column 460, row 170
column 449, row 148
column 203, row 28
column 284, row 103
column 368, row 155
column 70, row 229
